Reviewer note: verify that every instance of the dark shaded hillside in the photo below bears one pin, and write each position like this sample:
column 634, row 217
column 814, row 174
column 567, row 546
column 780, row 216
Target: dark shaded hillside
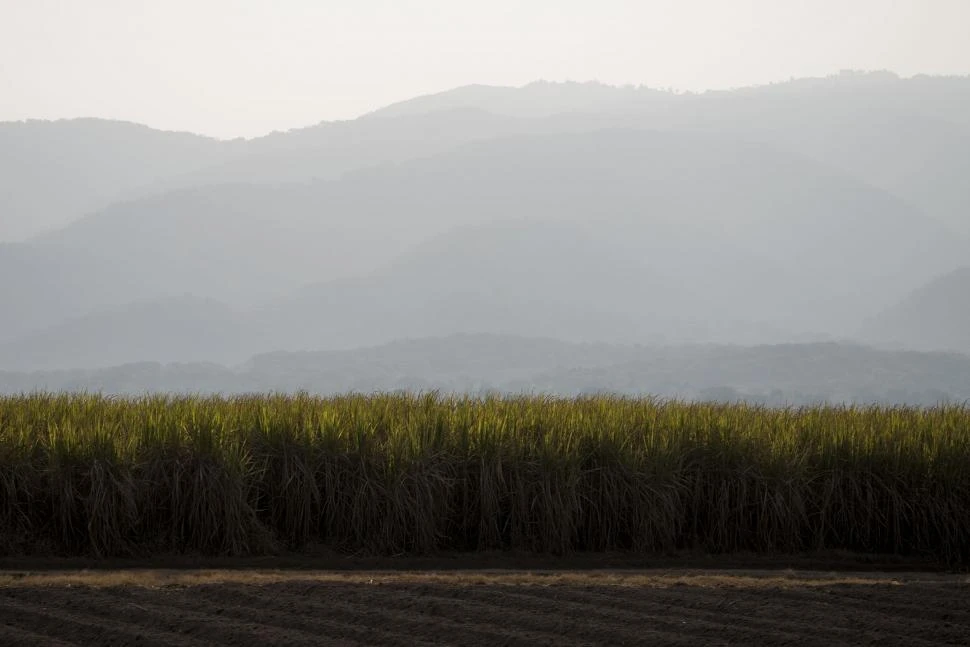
column 934, row 317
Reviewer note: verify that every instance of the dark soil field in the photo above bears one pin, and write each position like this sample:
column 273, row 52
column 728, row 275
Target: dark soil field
column 659, row 606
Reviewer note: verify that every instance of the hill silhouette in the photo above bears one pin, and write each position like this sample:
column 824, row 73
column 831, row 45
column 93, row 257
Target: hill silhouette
column 791, row 374
column 782, row 213
column 687, row 236
column 53, row 172
column 178, row 329
column 906, row 136
column 936, row 316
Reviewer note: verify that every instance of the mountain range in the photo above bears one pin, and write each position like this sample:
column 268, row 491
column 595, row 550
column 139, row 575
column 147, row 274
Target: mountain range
column 820, row 209
column 776, row 375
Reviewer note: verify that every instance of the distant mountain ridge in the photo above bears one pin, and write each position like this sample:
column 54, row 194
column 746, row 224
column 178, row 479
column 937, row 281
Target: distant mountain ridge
column 936, row 316
column 54, row 172
column 942, row 96
column 789, row 212
column 536, row 99
column 481, row 364
column 118, row 160
column 178, row 329
column 614, row 235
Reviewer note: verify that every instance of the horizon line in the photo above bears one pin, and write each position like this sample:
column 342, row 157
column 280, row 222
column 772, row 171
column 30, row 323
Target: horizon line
column 845, row 73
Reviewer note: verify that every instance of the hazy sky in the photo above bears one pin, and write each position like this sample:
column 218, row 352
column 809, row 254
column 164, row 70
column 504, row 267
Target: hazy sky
column 245, row 67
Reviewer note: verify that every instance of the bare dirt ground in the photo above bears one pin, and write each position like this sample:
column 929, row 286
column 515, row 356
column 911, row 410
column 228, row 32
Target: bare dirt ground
column 51, row 602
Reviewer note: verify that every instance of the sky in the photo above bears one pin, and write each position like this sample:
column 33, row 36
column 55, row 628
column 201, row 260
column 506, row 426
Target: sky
column 230, row 68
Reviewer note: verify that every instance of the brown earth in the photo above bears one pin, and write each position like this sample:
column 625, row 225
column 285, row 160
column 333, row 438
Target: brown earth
column 42, row 604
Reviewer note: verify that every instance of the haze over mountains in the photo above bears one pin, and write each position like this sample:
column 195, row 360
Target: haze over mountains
column 777, row 375
column 820, row 209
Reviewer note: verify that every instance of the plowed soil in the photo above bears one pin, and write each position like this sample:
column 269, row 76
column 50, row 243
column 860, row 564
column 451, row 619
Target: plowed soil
column 484, row 607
